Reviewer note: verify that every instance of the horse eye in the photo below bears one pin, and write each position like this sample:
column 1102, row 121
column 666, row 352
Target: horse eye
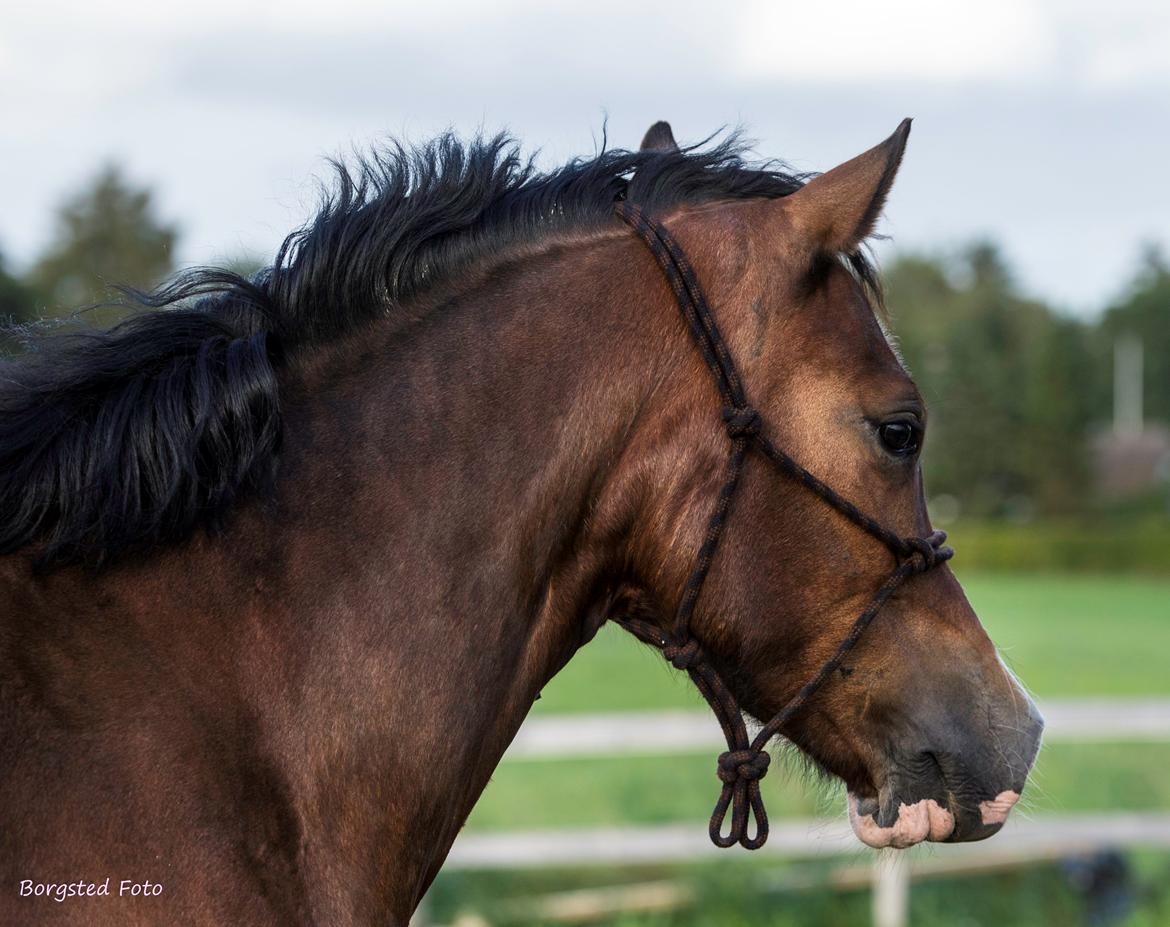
column 900, row 438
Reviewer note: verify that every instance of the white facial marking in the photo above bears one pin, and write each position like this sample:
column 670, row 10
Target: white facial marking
column 996, row 810
column 892, row 341
column 923, row 820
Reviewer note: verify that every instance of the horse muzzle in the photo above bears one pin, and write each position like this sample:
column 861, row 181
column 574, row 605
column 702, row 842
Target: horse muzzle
column 952, row 795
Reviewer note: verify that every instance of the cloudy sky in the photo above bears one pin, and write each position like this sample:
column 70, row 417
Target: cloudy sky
column 1042, row 123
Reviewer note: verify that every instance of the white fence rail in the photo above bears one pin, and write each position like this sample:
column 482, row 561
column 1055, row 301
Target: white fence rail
column 673, row 732
column 677, row 843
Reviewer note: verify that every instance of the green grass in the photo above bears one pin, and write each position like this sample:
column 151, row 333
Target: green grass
column 616, row 673
column 1064, row 635
column 1079, row 635
column 742, row 893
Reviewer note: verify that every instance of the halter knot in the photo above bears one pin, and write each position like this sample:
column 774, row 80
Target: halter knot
column 928, row 552
column 735, row 765
column 683, row 656
column 742, row 423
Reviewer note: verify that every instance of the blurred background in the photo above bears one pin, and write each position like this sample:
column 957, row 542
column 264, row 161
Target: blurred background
column 1028, row 275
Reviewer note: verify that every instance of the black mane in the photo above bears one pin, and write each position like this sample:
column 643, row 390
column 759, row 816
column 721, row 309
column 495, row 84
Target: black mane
column 118, row 440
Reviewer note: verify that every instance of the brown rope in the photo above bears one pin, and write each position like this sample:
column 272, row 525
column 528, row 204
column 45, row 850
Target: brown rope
column 745, row 762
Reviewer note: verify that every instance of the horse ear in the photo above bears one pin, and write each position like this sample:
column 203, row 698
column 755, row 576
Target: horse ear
column 838, row 210
column 659, row 137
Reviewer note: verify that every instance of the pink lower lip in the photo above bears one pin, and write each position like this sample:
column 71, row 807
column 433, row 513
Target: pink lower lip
column 996, row 810
column 923, row 820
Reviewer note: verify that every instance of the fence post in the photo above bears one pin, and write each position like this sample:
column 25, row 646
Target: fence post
column 891, row 889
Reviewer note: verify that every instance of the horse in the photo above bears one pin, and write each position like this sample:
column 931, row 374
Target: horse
column 287, row 559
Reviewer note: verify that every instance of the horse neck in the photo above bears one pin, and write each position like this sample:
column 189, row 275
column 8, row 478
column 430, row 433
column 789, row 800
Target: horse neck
column 451, row 512
column 451, row 518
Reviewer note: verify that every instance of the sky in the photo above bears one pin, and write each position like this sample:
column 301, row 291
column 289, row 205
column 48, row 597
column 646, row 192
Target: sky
column 1044, row 125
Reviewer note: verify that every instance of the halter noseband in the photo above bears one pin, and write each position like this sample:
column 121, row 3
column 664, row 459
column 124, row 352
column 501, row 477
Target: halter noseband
column 745, row 762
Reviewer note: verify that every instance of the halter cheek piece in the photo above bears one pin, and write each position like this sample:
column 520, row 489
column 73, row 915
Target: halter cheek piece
column 745, row 762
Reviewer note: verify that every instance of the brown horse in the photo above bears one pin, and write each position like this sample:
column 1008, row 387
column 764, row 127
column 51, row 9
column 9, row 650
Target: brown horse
column 287, row 562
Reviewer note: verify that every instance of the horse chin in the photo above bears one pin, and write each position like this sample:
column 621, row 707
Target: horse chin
column 922, row 820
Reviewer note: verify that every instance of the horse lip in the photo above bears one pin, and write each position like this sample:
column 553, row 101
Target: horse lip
column 925, row 819
column 995, row 811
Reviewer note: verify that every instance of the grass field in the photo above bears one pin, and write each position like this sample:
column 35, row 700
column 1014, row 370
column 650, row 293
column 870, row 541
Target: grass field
column 750, row 892
column 1066, row 636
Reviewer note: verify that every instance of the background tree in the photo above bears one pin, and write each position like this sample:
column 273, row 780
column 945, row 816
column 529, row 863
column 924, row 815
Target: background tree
column 1005, row 378
column 17, row 305
column 16, row 298
column 107, row 234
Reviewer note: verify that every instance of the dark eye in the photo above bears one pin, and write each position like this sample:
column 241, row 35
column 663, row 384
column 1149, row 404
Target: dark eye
column 901, row 439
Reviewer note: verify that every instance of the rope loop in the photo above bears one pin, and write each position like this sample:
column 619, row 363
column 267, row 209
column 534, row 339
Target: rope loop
column 683, row 656
column 744, row 422
column 736, row 765
column 927, row 552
